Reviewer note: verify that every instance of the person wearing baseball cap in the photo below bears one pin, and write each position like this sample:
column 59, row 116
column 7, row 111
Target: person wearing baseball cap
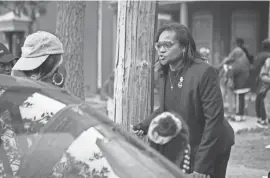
column 42, row 59
column 7, row 60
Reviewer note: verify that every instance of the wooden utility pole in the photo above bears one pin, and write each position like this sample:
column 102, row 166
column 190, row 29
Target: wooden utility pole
column 133, row 85
column 269, row 20
column 70, row 30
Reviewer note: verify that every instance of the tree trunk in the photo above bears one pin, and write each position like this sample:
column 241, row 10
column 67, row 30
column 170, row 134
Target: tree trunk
column 133, row 86
column 70, row 30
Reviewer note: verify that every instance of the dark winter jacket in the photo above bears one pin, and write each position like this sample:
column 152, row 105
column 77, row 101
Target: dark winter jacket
column 240, row 68
column 258, row 63
column 200, row 103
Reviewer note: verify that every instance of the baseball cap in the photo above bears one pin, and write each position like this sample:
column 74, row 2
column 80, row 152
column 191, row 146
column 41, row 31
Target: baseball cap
column 5, row 55
column 36, row 49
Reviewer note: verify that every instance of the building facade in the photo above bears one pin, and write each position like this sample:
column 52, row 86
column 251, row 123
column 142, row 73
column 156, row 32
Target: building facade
column 216, row 24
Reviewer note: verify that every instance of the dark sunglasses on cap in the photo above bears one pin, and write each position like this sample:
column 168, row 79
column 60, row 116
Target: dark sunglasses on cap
column 165, row 44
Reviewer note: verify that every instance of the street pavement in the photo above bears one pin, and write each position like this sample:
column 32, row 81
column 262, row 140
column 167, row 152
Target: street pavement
column 239, row 171
column 249, row 124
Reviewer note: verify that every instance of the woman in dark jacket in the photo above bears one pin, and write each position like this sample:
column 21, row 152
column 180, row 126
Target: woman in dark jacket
column 190, row 87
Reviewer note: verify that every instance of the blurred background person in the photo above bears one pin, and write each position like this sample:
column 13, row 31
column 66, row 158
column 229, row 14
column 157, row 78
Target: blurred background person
column 260, row 59
column 106, row 94
column 7, row 60
column 237, row 78
column 264, row 85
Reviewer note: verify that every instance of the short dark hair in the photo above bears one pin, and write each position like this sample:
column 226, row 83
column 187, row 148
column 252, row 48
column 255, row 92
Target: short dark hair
column 239, row 41
column 184, row 37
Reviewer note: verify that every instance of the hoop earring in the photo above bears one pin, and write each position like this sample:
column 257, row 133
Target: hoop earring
column 183, row 53
column 58, row 83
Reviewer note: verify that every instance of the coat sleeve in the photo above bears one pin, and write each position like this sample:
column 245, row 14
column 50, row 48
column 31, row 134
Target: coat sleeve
column 233, row 55
column 144, row 125
column 212, row 105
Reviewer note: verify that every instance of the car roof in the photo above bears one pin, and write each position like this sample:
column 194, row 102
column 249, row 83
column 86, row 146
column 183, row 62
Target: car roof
column 23, row 83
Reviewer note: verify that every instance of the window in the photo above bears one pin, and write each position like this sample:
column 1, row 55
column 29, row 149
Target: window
column 22, row 114
column 84, row 158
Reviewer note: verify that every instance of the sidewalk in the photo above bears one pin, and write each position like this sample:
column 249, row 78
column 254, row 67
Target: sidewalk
column 239, row 171
column 249, row 124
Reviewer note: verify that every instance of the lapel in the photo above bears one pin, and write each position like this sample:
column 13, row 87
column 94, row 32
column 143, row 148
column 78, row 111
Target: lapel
column 162, row 93
column 162, row 83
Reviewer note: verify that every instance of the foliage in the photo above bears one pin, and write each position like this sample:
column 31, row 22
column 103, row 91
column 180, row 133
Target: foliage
column 13, row 147
column 68, row 166
column 31, row 9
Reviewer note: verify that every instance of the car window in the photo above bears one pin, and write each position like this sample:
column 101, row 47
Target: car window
column 75, row 141
column 94, row 154
column 102, row 152
column 84, row 158
column 24, row 112
column 39, row 108
column 142, row 148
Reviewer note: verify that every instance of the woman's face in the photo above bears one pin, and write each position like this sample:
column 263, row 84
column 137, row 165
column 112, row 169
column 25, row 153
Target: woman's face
column 45, row 68
column 33, row 74
column 169, row 50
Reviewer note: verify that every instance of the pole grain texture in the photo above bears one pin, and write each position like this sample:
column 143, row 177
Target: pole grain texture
column 133, row 86
column 70, row 31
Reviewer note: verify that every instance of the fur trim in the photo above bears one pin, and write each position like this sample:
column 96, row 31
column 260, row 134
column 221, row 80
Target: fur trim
column 154, row 136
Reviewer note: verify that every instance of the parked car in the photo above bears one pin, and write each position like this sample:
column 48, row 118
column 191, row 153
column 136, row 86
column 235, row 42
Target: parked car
column 47, row 132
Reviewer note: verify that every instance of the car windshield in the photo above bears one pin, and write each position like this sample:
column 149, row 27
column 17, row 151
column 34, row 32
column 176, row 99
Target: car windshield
column 42, row 136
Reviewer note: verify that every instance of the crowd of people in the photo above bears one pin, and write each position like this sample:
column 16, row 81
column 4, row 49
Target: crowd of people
column 240, row 73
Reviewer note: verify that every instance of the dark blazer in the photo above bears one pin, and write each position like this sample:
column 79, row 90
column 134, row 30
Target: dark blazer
column 201, row 106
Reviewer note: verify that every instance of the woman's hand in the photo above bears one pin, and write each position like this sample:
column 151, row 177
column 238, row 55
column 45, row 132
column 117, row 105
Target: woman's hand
column 137, row 130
